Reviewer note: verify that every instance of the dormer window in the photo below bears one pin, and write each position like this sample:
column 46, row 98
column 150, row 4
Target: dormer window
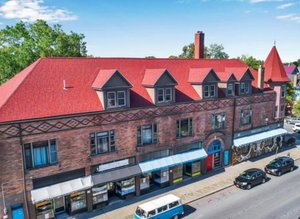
column 160, row 85
column 230, row 89
column 244, row 88
column 116, row 99
column 164, row 95
column 209, row 91
column 112, row 88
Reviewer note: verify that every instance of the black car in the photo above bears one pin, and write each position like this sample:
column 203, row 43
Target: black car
column 280, row 165
column 250, row 178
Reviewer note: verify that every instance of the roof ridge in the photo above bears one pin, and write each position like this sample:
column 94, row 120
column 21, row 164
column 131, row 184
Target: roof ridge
column 33, row 65
column 143, row 58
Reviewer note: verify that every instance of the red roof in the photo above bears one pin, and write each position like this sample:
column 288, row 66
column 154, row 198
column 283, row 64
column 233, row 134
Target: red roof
column 152, row 75
column 197, row 75
column 102, row 77
column 274, row 70
column 224, row 76
column 238, row 72
column 37, row 91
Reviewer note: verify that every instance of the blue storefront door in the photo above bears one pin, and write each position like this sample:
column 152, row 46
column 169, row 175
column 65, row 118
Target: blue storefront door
column 18, row 213
column 226, row 157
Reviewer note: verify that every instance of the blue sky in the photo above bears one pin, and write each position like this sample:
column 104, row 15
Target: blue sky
column 139, row 28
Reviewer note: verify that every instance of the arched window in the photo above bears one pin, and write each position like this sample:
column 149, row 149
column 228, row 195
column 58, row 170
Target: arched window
column 214, row 146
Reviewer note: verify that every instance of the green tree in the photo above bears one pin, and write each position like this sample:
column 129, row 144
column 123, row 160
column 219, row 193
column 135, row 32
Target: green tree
column 24, row 43
column 214, row 51
column 296, row 109
column 289, row 103
column 251, row 61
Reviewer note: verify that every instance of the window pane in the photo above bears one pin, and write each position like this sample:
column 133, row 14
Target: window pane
column 102, row 142
column 168, row 94
column 111, row 99
column 121, row 98
column 147, row 134
column 160, row 95
column 206, row 91
column 28, row 156
column 184, row 128
column 229, row 89
column 212, row 90
column 53, row 152
column 40, row 155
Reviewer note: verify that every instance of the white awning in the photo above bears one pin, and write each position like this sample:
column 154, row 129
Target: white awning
column 173, row 160
column 258, row 137
column 61, row 189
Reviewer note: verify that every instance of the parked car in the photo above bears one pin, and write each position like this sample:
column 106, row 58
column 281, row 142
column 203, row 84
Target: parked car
column 280, row 165
column 292, row 120
column 289, row 140
column 296, row 127
column 250, row 178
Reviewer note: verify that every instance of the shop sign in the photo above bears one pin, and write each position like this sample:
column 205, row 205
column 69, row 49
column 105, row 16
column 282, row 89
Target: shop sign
column 75, row 194
column 112, row 165
column 42, row 203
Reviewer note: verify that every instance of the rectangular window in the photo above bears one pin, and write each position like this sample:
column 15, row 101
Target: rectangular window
column 245, row 88
column 282, row 111
column 116, row 99
column 102, row 142
column 164, row 95
column 39, row 154
column 209, row 91
column 184, row 128
column 147, row 134
column 246, row 117
column 218, row 121
column 283, row 91
column 275, row 111
column 230, row 89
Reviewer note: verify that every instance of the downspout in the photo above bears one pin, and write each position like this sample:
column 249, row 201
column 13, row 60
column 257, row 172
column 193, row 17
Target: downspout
column 23, row 171
column 233, row 122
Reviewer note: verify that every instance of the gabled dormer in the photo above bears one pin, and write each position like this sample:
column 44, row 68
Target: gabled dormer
column 112, row 88
column 160, row 85
column 204, row 81
column 244, row 78
column 227, row 83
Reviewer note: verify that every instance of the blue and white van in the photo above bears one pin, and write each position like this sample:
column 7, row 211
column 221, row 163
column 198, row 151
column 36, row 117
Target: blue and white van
column 169, row 206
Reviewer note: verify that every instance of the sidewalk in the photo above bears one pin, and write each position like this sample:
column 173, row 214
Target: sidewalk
column 198, row 189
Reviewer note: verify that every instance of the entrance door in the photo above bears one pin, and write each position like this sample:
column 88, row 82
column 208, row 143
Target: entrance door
column 209, row 162
column 59, row 205
column 18, row 213
column 217, row 159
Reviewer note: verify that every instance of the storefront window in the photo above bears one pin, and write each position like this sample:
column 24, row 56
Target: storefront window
column 177, row 173
column 192, row 169
column 78, row 201
column 161, row 176
column 99, row 194
column 145, row 182
column 44, row 210
column 125, row 187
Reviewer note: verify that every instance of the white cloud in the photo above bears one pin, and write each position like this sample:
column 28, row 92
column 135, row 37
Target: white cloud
column 284, row 6
column 289, row 17
column 31, row 10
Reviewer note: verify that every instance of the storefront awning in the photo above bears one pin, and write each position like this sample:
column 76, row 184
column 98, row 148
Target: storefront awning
column 115, row 175
column 173, row 160
column 258, row 137
column 61, row 189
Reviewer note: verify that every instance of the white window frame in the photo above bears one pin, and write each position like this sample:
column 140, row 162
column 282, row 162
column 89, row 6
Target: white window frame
column 231, row 90
column 164, row 94
column 209, row 89
column 107, row 99
column 170, row 89
column 117, row 97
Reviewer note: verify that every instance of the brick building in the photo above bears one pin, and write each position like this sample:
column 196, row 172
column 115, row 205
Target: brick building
column 78, row 133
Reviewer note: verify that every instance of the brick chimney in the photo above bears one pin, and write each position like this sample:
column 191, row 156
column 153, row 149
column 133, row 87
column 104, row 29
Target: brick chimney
column 261, row 77
column 199, row 45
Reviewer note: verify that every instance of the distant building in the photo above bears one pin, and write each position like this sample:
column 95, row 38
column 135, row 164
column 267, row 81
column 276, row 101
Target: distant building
column 77, row 133
column 292, row 72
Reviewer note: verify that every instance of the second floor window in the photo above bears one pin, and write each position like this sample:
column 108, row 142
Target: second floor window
column 230, row 91
column 184, row 128
column 283, row 91
column 102, row 142
column 147, row 134
column 282, row 111
column 116, row 99
column 218, row 121
column 164, row 95
column 39, row 154
column 246, row 117
column 244, row 88
column 209, row 91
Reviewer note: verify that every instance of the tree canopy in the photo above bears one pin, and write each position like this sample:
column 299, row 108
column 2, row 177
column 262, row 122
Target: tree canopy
column 23, row 43
column 289, row 103
column 251, row 61
column 213, row 51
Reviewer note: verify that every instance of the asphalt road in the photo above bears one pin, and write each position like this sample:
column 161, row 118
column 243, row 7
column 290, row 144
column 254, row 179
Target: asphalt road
column 277, row 198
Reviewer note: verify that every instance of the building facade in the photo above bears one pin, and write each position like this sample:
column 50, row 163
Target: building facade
column 79, row 133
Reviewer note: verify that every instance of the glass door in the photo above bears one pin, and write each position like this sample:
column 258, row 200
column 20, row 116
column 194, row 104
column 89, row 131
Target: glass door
column 59, row 205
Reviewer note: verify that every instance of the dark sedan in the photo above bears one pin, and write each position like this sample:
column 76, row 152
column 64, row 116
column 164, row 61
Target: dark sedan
column 250, row 178
column 280, row 165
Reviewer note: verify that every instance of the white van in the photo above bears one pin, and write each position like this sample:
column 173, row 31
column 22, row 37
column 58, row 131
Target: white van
column 296, row 127
column 165, row 207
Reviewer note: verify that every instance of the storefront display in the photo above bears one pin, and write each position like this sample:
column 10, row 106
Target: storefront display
column 125, row 187
column 177, row 174
column 100, row 195
column 192, row 169
column 145, row 183
column 161, row 177
column 44, row 210
column 76, row 202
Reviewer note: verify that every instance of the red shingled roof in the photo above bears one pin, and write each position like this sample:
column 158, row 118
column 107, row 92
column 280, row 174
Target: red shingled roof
column 224, row 76
column 152, row 75
column 38, row 92
column 274, row 70
column 102, row 77
column 198, row 75
column 238, row 72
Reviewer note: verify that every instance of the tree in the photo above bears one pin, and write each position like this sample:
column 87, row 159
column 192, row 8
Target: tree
column 24, row 43
column 289, row 103
column 251, row 61
column 296, row 109
column 214, row 51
